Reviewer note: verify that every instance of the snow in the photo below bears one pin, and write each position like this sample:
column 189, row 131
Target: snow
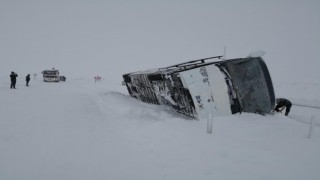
column 258, row 53
column 78, row 129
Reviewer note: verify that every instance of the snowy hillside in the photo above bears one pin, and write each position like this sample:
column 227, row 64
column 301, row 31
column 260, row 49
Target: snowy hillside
column 80, row 130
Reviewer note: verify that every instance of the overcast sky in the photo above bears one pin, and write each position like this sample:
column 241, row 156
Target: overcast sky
column 83, row 38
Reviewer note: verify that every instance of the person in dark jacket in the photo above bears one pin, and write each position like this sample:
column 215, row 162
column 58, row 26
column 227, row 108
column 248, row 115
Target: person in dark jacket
column 13, row 78
column 281, row 104
column 27, row 79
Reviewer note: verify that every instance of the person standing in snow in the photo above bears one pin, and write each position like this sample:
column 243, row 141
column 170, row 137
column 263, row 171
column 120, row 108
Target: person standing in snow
column 13, row 78
column 281, row 104
column 27, row 79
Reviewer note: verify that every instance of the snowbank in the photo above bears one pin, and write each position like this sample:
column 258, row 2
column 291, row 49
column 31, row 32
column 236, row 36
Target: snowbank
column 82, row 130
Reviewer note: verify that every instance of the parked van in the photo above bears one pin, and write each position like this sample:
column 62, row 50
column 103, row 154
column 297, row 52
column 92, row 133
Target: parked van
column 51, row 75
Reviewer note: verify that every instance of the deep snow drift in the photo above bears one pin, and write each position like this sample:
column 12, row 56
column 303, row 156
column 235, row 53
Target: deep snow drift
column 79, row 129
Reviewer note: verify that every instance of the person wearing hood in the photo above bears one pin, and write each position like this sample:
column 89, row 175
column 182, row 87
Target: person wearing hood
column 13, row 78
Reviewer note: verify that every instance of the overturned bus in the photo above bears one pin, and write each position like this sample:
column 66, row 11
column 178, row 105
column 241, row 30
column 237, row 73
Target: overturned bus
column 204, row 86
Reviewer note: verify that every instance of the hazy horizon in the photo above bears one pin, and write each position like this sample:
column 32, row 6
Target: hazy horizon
column 110, row 38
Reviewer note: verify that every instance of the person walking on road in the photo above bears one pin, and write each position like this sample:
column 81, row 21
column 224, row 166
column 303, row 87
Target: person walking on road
column 27, row 79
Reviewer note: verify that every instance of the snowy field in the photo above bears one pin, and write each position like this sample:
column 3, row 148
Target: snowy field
column 79, row 130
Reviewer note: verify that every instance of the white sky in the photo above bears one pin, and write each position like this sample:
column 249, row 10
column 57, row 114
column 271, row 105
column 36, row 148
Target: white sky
column 85, row 38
